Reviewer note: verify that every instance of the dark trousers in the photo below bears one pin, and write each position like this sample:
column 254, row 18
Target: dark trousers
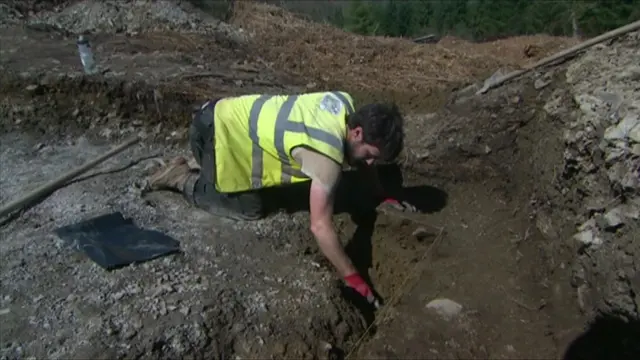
column 200, row 189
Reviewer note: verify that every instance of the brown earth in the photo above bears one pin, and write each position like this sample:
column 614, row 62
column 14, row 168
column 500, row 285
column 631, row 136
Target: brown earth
column 378, row 68
column 494, row 234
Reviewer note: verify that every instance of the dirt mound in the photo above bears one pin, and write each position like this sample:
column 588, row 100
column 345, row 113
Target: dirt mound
column 133, row 17
column 516, row 51
column 154, row 78
column 333, row 57
column 15, row 11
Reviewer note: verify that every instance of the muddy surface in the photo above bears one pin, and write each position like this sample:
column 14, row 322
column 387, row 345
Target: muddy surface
column 490, row 268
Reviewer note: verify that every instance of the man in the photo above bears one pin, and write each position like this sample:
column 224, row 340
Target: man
column 247, row 143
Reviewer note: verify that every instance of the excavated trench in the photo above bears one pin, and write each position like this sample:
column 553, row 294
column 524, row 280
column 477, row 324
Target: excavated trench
column 488, row 253
column 51, row 113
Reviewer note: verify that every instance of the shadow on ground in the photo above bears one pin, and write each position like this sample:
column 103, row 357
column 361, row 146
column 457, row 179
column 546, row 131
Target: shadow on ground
column 606, row 338
column 354, row 194
column 355, row 197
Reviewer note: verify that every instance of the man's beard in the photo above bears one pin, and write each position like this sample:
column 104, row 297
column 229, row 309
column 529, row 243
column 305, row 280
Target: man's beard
column 348, row 154
column 350, row 159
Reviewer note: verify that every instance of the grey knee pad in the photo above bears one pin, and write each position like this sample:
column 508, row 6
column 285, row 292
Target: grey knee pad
column 188, row 188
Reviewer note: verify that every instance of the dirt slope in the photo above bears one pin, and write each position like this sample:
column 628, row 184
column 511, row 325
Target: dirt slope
column 509, row 176
column 534, row 160
column 379, row 67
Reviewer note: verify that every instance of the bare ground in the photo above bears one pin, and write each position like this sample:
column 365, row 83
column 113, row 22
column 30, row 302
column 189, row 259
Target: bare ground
column 484, row 170
column 63, row 306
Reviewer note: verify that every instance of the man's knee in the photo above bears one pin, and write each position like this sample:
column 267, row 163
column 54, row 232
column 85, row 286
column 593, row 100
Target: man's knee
column 249, row 205
column 244, row 206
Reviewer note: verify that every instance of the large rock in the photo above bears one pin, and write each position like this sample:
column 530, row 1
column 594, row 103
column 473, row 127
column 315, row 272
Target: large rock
column 446, row 308
column 634, row 134
column 623, row 130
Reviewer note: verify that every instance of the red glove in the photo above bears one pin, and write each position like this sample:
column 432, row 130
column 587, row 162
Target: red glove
column 401, row 206
column 356, row 282
column 391, row 201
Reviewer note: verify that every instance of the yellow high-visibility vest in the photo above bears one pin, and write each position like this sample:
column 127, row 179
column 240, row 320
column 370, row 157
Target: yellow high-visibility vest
column 254, row 136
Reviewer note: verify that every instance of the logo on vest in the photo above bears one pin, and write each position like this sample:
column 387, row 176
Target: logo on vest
column 331, row 104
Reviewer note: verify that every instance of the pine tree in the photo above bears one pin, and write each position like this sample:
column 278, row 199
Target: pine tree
column 487, row 19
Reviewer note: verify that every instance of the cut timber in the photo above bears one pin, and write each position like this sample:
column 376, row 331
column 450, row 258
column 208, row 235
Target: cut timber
column 598, row 39
column 54, row 185
column 432, row 38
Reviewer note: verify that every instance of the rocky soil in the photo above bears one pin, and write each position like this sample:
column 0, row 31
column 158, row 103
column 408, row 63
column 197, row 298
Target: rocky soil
column 602, row 174
column 556, row 148
column 198, row 304
column 529, row 199
column 580, row 131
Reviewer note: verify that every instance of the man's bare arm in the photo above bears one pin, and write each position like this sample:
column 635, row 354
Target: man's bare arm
column 321, row 209
column 325, row 174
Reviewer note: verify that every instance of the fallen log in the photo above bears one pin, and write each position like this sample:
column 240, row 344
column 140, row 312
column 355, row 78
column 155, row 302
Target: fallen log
column 567, row 52
column 55, row 184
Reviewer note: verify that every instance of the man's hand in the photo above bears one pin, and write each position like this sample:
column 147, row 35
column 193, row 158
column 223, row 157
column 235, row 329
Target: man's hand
column 357, row 283
column 390, row 203
column 371, row 174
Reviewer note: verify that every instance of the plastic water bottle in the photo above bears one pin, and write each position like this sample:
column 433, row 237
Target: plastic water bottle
column 86, row 56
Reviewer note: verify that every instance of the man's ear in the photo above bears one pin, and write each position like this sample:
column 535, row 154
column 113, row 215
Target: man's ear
column 356, row 134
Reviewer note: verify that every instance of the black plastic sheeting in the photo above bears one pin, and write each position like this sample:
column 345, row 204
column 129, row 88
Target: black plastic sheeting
column 112, row 241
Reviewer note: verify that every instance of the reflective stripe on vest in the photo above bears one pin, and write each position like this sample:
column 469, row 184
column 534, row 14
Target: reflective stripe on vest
column 283, row 125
